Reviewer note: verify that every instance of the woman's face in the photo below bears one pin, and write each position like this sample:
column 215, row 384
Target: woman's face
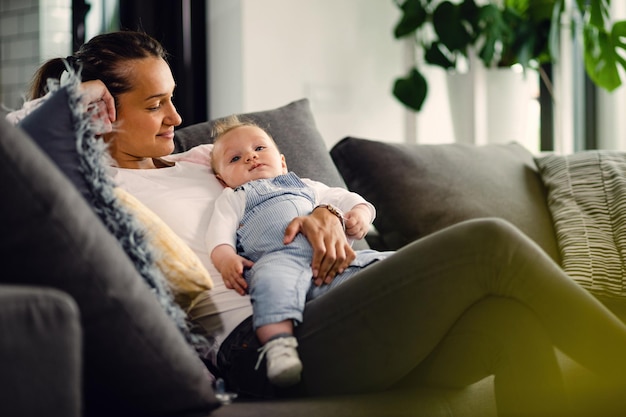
column 146, row 116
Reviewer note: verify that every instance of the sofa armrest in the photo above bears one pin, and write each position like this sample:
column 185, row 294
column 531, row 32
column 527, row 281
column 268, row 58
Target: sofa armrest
column 40, row 352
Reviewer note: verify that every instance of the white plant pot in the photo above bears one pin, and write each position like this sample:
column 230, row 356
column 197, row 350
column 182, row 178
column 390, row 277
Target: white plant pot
column 490, row 105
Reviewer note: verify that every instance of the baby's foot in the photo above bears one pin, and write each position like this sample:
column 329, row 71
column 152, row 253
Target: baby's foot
column 282, row 361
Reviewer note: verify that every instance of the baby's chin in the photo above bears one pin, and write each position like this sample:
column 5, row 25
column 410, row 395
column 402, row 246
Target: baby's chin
column 261, row 175
column 257, row 176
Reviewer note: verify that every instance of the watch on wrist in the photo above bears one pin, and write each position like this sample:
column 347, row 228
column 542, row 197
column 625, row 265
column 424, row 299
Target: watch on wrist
column 336, row 211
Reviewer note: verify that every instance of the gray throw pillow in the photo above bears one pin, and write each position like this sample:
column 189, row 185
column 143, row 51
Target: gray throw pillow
column 419, row 189
column 135, row 360
column 294, row 130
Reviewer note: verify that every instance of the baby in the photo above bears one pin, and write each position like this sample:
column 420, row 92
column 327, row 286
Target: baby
column 246, row 237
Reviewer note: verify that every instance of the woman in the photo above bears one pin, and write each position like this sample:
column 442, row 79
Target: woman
column 473, row 300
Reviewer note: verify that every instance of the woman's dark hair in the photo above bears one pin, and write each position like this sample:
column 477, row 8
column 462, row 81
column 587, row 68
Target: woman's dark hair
column 104, row 57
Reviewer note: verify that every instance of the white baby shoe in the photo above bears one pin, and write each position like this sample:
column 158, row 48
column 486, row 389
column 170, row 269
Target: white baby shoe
column 282, row 361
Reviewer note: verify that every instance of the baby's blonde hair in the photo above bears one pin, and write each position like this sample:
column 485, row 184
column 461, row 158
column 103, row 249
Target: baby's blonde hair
column 226, row 124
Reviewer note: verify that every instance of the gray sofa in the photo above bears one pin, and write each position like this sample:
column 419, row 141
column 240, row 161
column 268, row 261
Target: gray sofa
column 81, row 334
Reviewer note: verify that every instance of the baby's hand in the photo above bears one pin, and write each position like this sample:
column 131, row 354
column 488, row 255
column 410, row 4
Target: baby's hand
column 232, row 273
column 357, row 221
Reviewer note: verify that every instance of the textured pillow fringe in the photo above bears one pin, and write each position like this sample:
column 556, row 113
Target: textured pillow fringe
column 120, row 222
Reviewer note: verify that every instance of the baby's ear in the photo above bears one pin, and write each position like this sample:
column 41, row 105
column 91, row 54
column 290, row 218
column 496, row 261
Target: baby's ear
column 219, row 178
column 284, row 163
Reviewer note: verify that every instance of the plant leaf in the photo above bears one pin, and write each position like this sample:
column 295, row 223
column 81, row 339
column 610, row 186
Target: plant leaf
column 496, row 32
column 601, row 57
column 451, row 28
column 413, row 16
column 411, row 90
column 435, row 55
column 618, row 36
column 598, row 12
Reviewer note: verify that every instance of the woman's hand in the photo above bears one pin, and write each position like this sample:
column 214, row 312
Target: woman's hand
column 331, row 251
column 97, row 98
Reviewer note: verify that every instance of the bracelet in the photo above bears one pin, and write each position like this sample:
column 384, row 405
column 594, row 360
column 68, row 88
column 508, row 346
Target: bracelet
column 336, row 211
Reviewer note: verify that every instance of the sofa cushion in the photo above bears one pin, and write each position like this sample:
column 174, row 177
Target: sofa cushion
column 71, row 143
column 586, row 195
column 293, row 128
column 57, row 140
column 419, row 189
column 41, row 331
column 136, row 362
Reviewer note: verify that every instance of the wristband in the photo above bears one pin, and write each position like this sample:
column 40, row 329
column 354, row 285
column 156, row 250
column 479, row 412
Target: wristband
column 336, row 211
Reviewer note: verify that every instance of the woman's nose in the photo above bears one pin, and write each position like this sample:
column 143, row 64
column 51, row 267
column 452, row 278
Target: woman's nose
column 173, row 118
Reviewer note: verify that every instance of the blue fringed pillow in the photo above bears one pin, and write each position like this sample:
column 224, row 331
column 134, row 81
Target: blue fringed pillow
column 71, row 143
column 138, row 358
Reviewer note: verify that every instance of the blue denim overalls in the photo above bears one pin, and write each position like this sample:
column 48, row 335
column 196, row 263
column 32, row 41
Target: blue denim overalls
column 280, row 280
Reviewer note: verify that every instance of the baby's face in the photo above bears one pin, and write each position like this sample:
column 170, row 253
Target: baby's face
column 247, row 153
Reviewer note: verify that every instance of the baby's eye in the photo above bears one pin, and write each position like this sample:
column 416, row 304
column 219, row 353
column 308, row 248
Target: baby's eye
column 259, row 148
column 235, row 158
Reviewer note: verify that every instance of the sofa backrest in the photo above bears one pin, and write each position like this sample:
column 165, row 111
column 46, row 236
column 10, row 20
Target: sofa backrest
column 419, row 189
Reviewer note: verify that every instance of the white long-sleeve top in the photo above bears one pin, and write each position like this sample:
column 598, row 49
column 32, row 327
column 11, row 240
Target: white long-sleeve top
column 184, row 196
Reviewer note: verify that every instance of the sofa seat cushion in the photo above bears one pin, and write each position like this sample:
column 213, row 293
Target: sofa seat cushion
column 419, row 189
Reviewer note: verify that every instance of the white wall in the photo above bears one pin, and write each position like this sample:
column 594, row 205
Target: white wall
column 612, row 106
column 339, row 54
column 225, row 60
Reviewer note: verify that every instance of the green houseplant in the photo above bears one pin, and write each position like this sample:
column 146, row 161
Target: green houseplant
column 503, row 33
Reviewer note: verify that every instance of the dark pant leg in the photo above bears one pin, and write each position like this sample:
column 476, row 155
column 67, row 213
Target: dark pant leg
column 499, row 336
column 373, row 330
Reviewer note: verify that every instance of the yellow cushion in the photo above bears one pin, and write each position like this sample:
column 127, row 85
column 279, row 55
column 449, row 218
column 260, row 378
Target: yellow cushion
column 186, row 275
